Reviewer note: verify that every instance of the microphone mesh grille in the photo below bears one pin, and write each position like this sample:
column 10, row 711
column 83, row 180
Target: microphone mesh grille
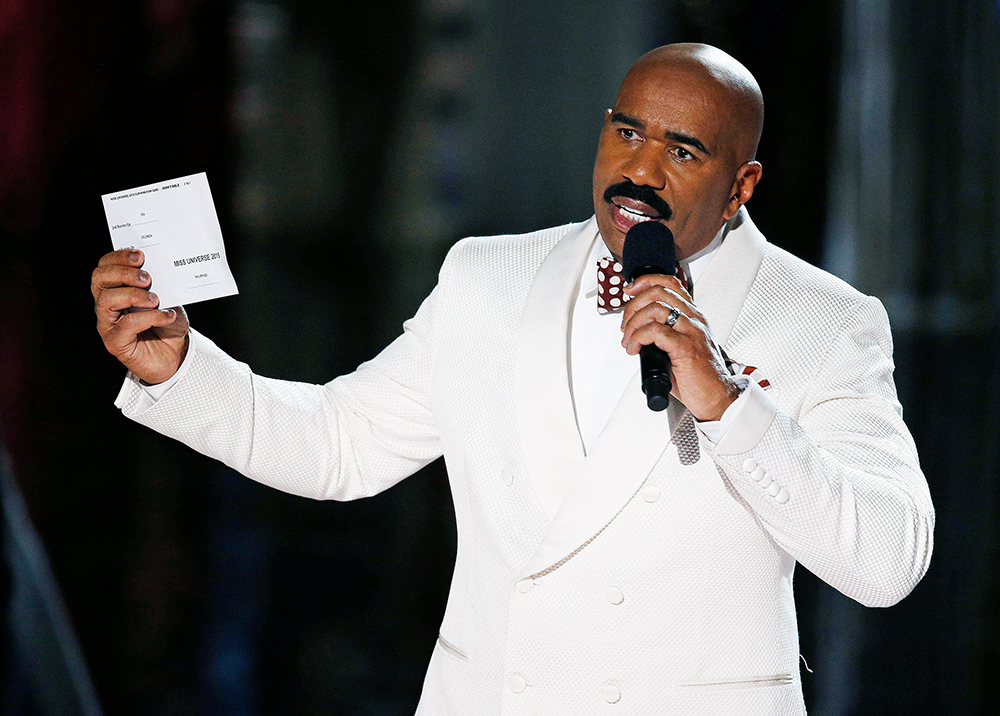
column 649, row 246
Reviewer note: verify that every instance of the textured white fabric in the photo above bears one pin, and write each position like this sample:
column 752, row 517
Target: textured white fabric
column 664, row 582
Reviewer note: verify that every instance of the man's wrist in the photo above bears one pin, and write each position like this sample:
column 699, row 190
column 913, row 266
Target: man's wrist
column 180, row 361
column 730, row 390
column 158, row 390
column 715, row 429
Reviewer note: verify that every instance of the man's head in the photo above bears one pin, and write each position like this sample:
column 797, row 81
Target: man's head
column 678, row 146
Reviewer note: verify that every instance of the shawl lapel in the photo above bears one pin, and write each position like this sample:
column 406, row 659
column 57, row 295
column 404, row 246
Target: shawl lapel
column 546, row 418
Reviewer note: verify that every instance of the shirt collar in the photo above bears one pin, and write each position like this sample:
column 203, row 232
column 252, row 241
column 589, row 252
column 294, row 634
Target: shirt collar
column 693, row 265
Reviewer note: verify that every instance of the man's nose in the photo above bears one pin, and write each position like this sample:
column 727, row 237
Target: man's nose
column 645, row 168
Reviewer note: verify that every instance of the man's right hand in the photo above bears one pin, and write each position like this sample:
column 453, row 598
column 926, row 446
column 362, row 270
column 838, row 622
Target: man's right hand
column 151, row 343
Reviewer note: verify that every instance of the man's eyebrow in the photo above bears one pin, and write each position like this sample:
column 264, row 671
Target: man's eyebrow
column 622, row 118
column 692, row 141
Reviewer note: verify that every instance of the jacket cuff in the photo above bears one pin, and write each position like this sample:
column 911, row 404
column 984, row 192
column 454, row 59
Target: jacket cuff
column 755, row 417
column 136, row 397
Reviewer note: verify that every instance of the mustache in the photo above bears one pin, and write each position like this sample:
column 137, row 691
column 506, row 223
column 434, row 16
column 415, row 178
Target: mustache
column 644, row 194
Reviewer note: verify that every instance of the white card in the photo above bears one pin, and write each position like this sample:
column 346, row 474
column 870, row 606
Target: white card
column 175, row 225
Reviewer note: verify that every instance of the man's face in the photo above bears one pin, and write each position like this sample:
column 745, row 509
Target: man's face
column 664, row 153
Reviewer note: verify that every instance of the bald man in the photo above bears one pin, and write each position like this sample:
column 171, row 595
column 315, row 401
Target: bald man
column 611, row 559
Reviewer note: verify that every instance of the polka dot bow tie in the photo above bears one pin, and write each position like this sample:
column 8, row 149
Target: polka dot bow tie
column 610, row 282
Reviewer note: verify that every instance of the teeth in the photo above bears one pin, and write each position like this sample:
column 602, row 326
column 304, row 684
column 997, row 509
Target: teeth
column 634, row 215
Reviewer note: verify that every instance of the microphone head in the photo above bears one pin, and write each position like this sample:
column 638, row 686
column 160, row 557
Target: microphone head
column 649, row 248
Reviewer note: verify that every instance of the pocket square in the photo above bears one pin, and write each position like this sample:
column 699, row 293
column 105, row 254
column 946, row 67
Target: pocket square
column 752, row 372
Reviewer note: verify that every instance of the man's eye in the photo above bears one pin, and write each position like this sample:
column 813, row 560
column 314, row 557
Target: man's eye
column 682, row 153
column 628, row 134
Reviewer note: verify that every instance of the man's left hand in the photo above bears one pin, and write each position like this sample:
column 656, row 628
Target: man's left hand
column 698, row 371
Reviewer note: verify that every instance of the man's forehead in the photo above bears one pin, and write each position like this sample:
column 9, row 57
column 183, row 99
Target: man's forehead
column 669, row 103
column 668, row 86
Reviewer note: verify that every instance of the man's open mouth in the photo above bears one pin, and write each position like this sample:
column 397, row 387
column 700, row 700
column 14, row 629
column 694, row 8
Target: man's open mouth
column 632, row 204
column 633, row 215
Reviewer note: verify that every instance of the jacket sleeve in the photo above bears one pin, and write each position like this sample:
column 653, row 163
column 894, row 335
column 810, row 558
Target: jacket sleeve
column 352, row 437
column 840, row 487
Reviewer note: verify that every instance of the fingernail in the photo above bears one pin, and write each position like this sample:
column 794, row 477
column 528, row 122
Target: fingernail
column 143, row 277
column 133, row 256
column 153, row 298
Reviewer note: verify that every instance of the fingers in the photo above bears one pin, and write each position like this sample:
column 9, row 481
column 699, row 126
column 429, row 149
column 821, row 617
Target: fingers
column 650, row 288
column 644, row 283
column 662, row 307
column 118, row 286
column 114, row 304
column 657, row 295
column 124, row 257
column 120, row 336
column 119, row 268
column 112, row 298
column 657, row 322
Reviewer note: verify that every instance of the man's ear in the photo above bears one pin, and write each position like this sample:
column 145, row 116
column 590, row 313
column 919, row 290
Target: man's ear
column 746, row 179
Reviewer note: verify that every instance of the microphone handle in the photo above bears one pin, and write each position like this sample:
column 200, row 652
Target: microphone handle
column 654, row 363
column 654, row 367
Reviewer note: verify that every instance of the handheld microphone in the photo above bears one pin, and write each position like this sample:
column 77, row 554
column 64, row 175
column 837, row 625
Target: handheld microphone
column 649, row 248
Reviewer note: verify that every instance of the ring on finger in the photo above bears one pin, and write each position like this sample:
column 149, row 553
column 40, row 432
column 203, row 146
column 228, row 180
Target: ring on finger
column 673, row 316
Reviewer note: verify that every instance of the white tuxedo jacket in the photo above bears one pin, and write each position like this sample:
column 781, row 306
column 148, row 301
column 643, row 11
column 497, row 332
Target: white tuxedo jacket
column 663, row 585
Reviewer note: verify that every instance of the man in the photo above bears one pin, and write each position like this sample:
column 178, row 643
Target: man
column 609, row 557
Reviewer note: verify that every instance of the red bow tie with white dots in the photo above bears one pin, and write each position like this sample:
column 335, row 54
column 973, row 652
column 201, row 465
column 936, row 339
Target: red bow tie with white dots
column 610, row 282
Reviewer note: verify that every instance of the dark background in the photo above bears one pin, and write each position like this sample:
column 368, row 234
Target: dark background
column 375, row 135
